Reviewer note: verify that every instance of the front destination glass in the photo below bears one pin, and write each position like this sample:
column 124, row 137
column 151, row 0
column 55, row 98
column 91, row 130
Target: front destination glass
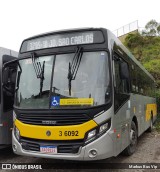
column 90, row 87
column 61, row 40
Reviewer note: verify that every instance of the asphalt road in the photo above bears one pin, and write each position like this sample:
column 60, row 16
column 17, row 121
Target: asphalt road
column 148, row 151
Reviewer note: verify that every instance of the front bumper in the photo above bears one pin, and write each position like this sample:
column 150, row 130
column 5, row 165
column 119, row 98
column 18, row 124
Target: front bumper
column 103, row 145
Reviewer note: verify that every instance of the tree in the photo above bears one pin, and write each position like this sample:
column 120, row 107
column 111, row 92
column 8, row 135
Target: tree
column 158, row 30
column 152, row 28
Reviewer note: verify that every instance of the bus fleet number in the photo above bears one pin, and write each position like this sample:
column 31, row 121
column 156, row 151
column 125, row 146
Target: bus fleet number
column 68, row 133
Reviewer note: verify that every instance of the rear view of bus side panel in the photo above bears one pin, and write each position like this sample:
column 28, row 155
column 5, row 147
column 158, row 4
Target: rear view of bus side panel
column 6, row 119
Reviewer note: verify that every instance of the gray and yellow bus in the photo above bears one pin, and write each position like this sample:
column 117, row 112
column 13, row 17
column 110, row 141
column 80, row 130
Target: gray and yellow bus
column 7, row 98
column 81, row 95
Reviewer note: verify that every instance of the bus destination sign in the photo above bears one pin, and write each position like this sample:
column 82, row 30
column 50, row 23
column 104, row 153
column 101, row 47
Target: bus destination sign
column 59, row 40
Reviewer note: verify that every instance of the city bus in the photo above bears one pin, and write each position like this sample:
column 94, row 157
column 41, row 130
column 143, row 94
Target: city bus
column 80, row 95
column 7, row 98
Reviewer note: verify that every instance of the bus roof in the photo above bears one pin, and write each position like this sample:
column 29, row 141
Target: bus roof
column 63, row 31
column 116, row 40
column 6, row 51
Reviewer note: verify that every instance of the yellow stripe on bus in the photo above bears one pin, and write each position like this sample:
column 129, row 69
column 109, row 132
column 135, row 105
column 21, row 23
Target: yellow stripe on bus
column 69, row 132
column 151, row 108
column 78, row 101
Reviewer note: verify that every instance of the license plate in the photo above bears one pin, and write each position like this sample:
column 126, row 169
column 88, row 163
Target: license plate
column 48, row 149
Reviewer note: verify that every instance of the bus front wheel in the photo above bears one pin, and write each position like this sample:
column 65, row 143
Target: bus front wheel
column 133, row 140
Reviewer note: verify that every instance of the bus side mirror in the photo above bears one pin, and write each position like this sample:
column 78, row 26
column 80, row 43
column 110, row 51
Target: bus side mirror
column 5, row 76
column 124, row 71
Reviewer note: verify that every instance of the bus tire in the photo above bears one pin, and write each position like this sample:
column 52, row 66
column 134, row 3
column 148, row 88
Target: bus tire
column 151, row 125
column 133, row 140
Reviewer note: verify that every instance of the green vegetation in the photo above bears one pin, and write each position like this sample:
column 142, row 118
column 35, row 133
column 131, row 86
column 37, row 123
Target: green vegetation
column 145, row 47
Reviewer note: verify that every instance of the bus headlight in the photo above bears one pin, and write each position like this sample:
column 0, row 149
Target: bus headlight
column 103, row 127
column 16, row 133
column 98, row 131
column 91, row 134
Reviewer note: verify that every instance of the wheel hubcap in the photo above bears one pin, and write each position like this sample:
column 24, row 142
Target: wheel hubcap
column 133, row 137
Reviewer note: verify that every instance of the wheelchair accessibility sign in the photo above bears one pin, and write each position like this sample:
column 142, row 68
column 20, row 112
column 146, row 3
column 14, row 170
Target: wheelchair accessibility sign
column 55, row 101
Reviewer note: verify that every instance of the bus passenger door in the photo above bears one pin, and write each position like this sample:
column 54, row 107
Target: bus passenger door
column 121, row 102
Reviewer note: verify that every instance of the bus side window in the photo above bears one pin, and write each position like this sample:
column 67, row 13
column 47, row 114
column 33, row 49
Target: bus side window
column 121, row 85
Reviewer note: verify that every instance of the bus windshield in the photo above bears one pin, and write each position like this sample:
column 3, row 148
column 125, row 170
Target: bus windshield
column 90, row 87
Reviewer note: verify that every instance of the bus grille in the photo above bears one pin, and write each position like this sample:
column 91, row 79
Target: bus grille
column 53, row 119
column 62, row 146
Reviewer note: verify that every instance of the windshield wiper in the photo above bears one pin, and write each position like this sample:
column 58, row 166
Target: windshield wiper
column 74, row 66
column 39, row 70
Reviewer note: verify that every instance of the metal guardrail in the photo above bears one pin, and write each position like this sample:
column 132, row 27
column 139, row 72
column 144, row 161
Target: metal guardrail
column 126, row 29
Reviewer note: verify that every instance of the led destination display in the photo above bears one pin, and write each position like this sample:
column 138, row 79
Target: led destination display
column 60, row 40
